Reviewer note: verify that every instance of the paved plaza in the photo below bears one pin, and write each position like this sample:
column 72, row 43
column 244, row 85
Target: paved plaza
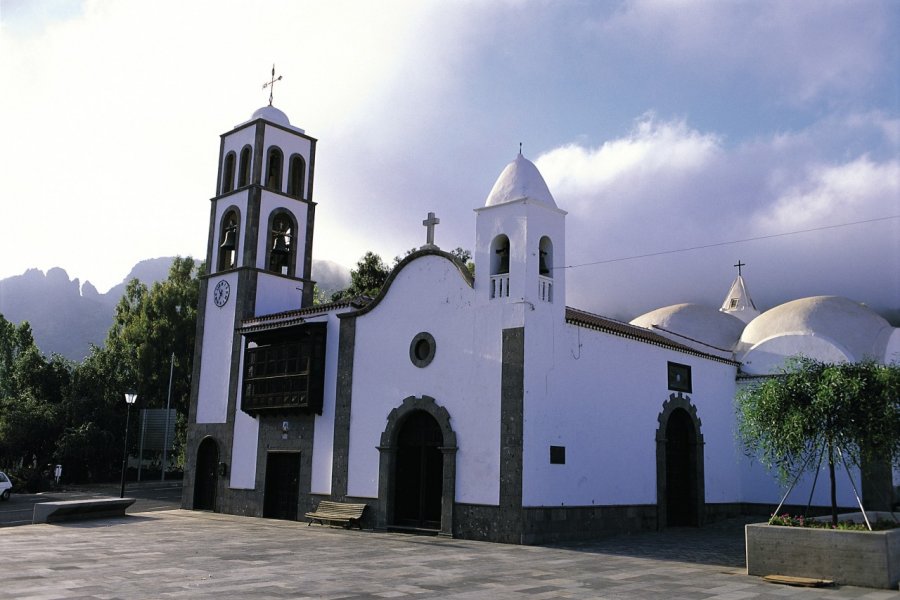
column 186, row 554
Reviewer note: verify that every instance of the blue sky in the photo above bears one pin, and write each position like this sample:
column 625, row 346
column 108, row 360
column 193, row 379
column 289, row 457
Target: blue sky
column 657, row 125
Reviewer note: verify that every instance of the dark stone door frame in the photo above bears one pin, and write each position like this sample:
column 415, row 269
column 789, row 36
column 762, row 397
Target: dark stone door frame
column 387, row 461
column 674, row 402
column 213, row 480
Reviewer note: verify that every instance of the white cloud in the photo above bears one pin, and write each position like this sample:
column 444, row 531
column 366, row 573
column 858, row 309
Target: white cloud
column 666, row 186
column 807, row 49
column 832, row 194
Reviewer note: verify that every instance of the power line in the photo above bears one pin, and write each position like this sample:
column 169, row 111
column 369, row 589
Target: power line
column 752, row 239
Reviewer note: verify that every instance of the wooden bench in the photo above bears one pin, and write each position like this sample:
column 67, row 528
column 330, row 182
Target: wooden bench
column 71, row 510
column 337, row 512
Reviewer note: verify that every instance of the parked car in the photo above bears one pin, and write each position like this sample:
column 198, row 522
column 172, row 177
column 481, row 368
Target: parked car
column 5, row 485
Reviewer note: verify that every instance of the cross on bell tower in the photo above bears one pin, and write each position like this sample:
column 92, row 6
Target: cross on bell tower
column 739, row 265
column 271, row 84
column 429, row 223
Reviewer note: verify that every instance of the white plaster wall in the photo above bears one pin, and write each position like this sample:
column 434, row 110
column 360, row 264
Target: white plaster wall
column 245, row 443
column 276, row 294
column 235, row 141
column 524, row 223
column 215, row 361
column 600, row 396
column 763, row 486
column 323, row 441
column 429, row 294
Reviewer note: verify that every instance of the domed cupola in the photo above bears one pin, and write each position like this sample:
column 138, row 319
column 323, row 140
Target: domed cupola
column 272, row 115
column 700, row 327
column 520, row 180
column 520, row 239
column 826, row 328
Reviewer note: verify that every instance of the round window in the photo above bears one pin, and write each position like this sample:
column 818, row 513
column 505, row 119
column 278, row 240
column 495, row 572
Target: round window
column 421, row 349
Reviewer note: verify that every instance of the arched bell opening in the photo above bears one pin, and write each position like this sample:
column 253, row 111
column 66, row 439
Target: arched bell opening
column 417, row 468
column 545, row 257
column 499, row 256
column 244, row 167
column 281, row 246
column 274, row 163
column 296, row 176
column 228, row 173
column 229, row 228
column 679, row 465
column 206, row 475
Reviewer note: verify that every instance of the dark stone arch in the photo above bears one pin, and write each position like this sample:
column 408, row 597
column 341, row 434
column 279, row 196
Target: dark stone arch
column 275, row 262
column 206, row 474
column 226, row 258
column 679, row 418
column 244, row 166
column 296, row 175
column 274, row 168
column 228, row 170
column 387, row 460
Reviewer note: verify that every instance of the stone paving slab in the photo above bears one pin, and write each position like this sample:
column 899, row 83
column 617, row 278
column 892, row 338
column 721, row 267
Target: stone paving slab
column 186, row 554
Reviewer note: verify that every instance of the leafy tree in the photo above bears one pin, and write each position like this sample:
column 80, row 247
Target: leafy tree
column 33, row 391
column 848, row 409
column 465, row 257
column 366, row 279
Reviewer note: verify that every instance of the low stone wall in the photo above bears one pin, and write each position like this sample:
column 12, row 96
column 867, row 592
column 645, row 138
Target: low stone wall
column 865, row 558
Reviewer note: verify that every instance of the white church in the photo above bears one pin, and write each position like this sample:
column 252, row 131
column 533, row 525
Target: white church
column 482, row 408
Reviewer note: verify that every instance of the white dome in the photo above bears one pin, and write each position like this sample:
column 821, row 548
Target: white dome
column 692, row 323
column 520, row 180
column 828, row 328
column 271, row 114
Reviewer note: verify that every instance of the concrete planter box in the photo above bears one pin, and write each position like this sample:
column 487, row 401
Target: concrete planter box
column 865, row 558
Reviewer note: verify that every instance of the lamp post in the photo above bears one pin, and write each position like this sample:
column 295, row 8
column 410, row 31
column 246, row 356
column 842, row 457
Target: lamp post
column 168, row 405
column 130, row 398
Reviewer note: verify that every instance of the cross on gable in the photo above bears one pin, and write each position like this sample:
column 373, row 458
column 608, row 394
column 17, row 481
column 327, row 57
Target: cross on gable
column 739, row 265
column 429, row 223
column 271, row 84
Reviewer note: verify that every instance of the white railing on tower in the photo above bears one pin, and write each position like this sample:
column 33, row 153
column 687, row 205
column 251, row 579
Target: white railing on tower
column 500, row 286
column 545, row 288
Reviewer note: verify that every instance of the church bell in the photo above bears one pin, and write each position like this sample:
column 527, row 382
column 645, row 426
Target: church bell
column 504, row 260
column 228, row 243
column 281, row 244
column 543, row 269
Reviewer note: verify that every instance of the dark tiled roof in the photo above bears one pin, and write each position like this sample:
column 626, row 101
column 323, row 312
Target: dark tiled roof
column 290, row 318
column 633, row 332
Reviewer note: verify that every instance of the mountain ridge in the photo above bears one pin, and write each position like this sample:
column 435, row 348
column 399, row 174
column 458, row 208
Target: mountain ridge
column 67, row 317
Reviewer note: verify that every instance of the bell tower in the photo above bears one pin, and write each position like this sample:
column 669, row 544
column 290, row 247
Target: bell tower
column 259, row 250
column 520, row 236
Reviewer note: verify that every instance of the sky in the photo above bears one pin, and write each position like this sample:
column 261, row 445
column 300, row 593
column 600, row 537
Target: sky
column 693, row 132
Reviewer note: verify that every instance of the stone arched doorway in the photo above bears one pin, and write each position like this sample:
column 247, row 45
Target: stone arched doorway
column 418, row 472
column 206, row 475
column 417, row 468
column 679, row 464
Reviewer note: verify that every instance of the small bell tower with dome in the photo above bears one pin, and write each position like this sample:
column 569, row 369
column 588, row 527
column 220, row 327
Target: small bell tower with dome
column 520, row 237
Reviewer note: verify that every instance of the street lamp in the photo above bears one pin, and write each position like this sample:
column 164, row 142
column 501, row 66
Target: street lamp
column 130, row 398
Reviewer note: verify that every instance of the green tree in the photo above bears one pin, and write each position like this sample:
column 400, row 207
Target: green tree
column 366, row 279
column 33, row 391
column 849, row 410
